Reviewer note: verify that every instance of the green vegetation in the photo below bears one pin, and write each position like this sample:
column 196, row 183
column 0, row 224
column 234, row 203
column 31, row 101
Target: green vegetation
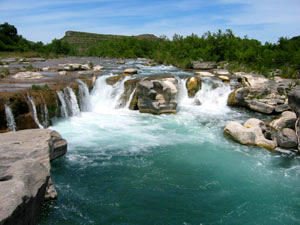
column 4, row 72
column 10, row 41
column 242, row 53
column 231, row 52
column 37, row 87
column 28, row 68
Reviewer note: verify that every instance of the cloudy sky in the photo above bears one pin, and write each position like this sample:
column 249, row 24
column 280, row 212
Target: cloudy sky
column 265, row 20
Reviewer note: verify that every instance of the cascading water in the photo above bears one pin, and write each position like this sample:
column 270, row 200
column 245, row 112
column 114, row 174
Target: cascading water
column 71, row 102
column 45, row 115
column 106, row 98
column 63, row 108
column 130, row 98
column 34, row 112
column 179, row 168
column 84, row 96
column 11, row 124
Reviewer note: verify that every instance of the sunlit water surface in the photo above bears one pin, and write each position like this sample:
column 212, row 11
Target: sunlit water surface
column 123, row 167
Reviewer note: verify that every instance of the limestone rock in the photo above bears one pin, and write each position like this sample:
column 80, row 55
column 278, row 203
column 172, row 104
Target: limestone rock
column 260, row 107
column 287, row 120
column 287, row 138
column 28, row 75
column 204, row 74
column 130, row 71
column 25, row 172
column 97, row 68
column 246, row 135
column 193, row 85
column 294, row 101
column 62, row 73
column 199, row 65
column 224, row 78
column 157, row 96
column 221, row 72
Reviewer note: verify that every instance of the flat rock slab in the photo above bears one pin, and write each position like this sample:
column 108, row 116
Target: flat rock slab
column 25, row 172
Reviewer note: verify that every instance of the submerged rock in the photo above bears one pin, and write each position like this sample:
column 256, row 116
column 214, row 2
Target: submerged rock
column 249, row 134
column 25, row 172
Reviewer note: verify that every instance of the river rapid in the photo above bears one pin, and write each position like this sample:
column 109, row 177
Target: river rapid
column 124, row 167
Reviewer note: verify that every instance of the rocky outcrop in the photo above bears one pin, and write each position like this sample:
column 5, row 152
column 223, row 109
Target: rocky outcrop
column 199, row 65
column 261, row 94
column 287, row 138
column 294, row 101
column 25, row 173
column 287, row 120
column 249, row 134
column 157, row 96
column 193, row 85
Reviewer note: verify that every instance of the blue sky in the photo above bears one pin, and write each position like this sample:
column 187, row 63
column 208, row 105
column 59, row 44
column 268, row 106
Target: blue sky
column 265, row 20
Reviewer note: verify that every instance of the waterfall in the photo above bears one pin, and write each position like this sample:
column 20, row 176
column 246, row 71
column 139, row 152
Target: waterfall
column 130, row 98
column 71, row 100
column 34, row 112
column 213, row 96
column 183, row 98
column 84, row 96
column 11, row 124
column 63, row 108
column 45, row 114
column 106, row 98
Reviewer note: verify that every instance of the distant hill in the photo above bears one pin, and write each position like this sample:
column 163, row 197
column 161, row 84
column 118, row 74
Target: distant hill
column 82, row 40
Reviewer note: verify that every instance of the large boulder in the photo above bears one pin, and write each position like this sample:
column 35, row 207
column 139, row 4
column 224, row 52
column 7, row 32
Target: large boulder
column 193, row 85
column 294, row 101
column 287, row 120
column 287, row 138
column 199, row 65
column 25, row 172
column 249, row 134
column 157, row 96
column 260, row 94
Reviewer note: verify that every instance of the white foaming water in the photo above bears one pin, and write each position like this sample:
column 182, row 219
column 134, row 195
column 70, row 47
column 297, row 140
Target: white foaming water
column 45, row 115
column 84, row 96
column 130, row 99
column 64, row 110
column 72, row 102
column 11, row 124
column 106, row 98
column 123, row 131
column 213, row 97
column 34, row 112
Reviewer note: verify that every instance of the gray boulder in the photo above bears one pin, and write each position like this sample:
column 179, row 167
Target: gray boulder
column 294, row 101
column 157, row 96
column 287, row 120
column 287, row 138
column 199, row 65
column 25, row 173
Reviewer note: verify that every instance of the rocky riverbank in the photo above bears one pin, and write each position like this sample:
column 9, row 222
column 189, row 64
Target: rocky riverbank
column 25, row 180
column 34, row 91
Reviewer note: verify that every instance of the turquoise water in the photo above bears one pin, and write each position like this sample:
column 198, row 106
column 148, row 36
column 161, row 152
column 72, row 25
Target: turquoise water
column 123, row 167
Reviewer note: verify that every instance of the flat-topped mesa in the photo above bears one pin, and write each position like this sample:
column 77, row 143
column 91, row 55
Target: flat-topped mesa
column 25, row 180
